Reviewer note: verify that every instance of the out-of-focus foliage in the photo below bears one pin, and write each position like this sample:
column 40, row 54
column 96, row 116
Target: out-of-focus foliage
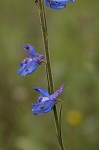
column 74, row 50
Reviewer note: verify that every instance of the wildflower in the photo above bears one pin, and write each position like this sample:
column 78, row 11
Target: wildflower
column 29, row 65
column 45, row 101
column 57, row 4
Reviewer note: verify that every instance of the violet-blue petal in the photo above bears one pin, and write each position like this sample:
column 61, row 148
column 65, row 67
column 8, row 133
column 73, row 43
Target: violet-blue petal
column 25, row 61
column 57, row 4
column 42, row 92
column 42, row 107
column 38, row 58
column 55, row 95
column 28, row 68
column 61, row 1
column 30, row 50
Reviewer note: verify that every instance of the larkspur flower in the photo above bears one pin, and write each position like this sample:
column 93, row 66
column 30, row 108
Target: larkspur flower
column 45, row 101
column 29, row 65
column 57, row 4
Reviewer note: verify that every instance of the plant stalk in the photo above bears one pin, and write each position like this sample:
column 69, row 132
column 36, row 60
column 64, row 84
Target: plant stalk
column 43, row 23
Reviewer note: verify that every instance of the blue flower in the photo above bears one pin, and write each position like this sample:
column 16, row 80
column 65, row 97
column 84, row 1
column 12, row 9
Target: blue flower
column 57, row 4
column 45, row 101
column 29, row 65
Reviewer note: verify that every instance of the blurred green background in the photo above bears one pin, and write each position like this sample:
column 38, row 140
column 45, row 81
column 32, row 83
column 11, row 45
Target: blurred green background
column 74, row 51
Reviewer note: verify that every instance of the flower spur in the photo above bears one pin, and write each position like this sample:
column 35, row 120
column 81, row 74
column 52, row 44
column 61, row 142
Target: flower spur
column 45, row 101
column 29, row 65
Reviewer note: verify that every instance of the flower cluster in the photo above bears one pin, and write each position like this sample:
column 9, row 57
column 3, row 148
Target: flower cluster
column 45, row 101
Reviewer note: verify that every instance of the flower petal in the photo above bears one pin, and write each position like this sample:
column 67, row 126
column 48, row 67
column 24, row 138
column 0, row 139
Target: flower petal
column 42, row 91
column 38, row 58
column 55, row 95
column 25, row 61
column 28, row 68
column 30, row 50
column 57, row 4
column 43, row 107
column 61, row 1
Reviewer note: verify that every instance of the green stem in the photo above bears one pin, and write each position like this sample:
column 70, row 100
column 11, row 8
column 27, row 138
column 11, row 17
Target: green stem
column 48, row 68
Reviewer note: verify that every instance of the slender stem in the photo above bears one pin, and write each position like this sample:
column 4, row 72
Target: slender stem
column 60, row 112
column 48, row 68
column 45, row 40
